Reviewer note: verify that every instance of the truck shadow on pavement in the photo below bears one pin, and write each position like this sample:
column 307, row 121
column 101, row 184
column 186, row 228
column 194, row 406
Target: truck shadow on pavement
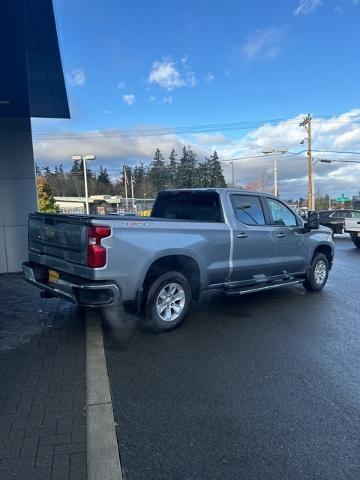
column 216, row 311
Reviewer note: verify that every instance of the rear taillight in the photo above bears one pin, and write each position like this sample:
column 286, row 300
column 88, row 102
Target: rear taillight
column 96, row 253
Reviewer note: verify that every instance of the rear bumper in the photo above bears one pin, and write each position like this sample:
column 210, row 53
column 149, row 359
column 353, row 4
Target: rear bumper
column 74, row 289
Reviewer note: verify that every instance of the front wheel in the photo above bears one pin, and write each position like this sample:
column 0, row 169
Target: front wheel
column 318, row 273
column 168, row 301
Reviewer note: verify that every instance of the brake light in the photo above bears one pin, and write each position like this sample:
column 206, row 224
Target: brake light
column 96, row 253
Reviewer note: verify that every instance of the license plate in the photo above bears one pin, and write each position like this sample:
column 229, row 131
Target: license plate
column 358, row 234
column 53, row 276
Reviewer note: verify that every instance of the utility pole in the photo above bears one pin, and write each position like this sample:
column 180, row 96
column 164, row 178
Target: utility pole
column 310, row 167
column 232, row 174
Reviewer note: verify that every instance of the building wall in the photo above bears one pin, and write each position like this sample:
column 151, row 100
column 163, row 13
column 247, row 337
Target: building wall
column 17, row 191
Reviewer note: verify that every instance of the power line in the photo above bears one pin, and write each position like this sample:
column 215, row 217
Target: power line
column 202, row 128
column 337, row 151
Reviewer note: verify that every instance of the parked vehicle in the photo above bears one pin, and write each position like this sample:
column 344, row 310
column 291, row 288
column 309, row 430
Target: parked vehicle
column 352, row 226
column 334, row 219
column 195, row 240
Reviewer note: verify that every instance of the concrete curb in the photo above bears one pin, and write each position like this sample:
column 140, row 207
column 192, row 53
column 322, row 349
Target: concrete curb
column 103, row 461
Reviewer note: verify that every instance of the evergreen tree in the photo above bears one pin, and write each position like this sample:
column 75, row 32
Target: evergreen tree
column 139, row 176
column 202, row 175
column 46, row 200
column 62, row 183
column 216, row 176
column 77, row 166
column 173, row 170
column 103, row 186
column 186, row 177
column 158, row 173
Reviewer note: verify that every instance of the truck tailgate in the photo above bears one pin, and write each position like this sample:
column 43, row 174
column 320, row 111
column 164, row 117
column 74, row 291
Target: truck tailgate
column 352, row 225
column 63, row 237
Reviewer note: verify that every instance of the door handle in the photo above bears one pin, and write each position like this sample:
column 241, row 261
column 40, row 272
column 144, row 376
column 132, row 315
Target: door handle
column 281, row 235
column 242, row 235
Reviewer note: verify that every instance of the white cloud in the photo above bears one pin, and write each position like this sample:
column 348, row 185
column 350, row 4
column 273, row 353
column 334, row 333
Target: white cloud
column 168, row 99
column 106, row 112
column 129, row 98
column 151, row 99
column 110, row 149
column 306, row 7
column 167, row 76
column 77, row 77
column 338, row 10
column 209, row 78
column 264, row 43
column 190, row 79
column 340, row 132
column 121, row 85
column 211, row 140
column 227, row 73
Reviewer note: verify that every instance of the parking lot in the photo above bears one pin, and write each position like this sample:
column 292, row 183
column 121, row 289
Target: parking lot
column 265, row 386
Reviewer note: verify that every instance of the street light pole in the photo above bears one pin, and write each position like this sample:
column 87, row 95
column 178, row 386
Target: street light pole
column 232, row 174
column 86, row 187
column 84, row 158
column 276, row 190
column 275, row 152
column 126, row 192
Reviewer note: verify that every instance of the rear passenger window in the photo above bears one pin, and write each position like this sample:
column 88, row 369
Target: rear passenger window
column 195, row 206
column 205, row 207
column 248, row 209
column 165, row 205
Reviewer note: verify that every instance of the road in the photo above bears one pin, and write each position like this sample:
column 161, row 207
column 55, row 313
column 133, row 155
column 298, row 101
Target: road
column 265, row 386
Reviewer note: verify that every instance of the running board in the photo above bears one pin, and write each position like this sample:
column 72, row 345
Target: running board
column 246, row 290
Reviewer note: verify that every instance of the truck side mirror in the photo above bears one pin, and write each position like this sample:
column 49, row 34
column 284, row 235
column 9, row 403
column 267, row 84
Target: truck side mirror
column 312, row 221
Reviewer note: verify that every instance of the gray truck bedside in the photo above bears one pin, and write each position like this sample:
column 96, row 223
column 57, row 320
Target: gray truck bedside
column 195, row 240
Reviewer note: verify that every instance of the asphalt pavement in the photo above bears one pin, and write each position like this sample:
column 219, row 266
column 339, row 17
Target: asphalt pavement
column 264, row 386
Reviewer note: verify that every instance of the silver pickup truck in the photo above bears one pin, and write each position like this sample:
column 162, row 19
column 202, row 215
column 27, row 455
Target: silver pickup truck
column 195, row 240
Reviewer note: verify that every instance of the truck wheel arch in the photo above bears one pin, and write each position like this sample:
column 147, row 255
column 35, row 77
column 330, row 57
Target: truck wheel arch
column 326, row 250
column 180, row 263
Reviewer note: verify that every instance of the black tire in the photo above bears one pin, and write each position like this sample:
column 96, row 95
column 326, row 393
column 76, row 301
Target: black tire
column 312, row 281
column 155, row 321
column 356, row 242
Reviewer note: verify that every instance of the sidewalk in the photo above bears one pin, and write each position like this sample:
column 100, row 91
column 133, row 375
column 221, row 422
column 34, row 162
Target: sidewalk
column 42, row 385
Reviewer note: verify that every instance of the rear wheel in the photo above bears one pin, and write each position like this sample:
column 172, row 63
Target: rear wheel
column 318, row 273
column 167, row 302
column 356, row 241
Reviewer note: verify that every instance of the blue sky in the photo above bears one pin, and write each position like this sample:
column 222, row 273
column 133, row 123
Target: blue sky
column 182, row 63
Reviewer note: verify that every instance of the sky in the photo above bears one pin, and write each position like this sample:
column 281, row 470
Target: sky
column 131, row 67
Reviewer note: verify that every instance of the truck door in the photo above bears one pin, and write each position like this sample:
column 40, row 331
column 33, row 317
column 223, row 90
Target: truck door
column 253, row 243
column 291, row 243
